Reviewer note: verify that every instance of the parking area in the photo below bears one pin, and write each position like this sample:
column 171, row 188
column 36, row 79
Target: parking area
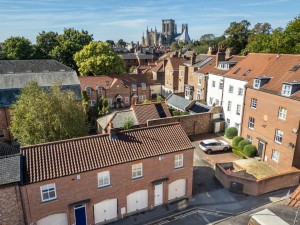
column 215, row 157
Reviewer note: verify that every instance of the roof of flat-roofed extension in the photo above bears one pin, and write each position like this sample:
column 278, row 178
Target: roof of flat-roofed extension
column 62, row 158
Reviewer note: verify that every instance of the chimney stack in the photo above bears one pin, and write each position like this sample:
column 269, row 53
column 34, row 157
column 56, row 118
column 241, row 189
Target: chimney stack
column 220, row 55
column 212, row 50
column 193, row 58
column 229, row 53
column 112, row 131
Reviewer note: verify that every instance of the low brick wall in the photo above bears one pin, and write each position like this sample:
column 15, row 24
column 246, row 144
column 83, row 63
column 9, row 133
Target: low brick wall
column 256, row 187
column 192, row 124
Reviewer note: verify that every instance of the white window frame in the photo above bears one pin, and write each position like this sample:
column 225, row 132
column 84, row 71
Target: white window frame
column 278, row 136
column 178, row 162
column 99, row 89
column 109, row 101
column 275, row 155
column 230, row 89
column 217, row 102
column 144, row 87
column 253, row 103
column 137, row 170
column 237, row 126
column 211, row 99
column 229, row 105
column 256, row 83
column 199, row 80
column 134, row 87
column 126, row 99
column 240, row 91
column 91, row 102
column 199, row 94
column 249, row 138
column 142, row 98
column 181, row 73
column 88, row 90
column 45, row 189
column 221, row 84
column 251, row 123
column 213, row 84
column 104, row 176
column 227, row 122
column 286, row 90
column 282, row 113
column 238, row 109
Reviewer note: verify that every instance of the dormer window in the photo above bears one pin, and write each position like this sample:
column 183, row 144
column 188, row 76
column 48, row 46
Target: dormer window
column 223, row 66
column 134, row 87
column 256, row 83
column 88, row 90
column 99, row 88
column 286, row 90
column 143, row 86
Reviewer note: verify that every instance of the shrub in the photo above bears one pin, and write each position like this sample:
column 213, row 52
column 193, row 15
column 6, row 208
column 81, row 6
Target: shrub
column 231, row 132
column 159, row 98
column 250, row 150
column 242, row 144
column 238, row 153
column 236, row 140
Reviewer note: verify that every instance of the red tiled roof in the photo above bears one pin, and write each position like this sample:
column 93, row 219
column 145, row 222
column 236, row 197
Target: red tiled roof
column 175, row 62
column 295, row 198
column 62, row 158
column 144, row 112
column 158, row 67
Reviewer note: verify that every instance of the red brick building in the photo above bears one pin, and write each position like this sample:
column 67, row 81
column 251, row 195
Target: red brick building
column 102, row 178
column 271, row 112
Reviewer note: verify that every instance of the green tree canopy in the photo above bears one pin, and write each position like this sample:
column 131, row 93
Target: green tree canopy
column 17, row 48
column 110, row 42
column 45, row 43
column 70, row 42
column 41, row 116
column 98, row 58
column 121, row 43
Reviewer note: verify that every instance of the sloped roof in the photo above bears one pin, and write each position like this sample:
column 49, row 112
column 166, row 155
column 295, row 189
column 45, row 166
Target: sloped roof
column 267, row 217
column 178, row 102
column 175, row 62
column 117, row 118
column 137, row 56
column 6, row 149
column 144, row 112
column 159, row 67
column 294, row 200
column 199, row 108
column 184, row 36
column 62, row 158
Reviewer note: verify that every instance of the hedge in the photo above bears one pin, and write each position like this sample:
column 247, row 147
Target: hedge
column 236, row 140
column 238, row 153
column 242, row 144
column 250, row 150
column 231, row 132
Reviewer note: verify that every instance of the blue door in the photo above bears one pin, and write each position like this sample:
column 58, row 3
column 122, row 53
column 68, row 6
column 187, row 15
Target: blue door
column 80, row 215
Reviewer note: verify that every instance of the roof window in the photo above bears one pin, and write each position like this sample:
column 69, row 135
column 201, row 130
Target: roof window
column 295, row 68
column 246, row 73
column 237, row 70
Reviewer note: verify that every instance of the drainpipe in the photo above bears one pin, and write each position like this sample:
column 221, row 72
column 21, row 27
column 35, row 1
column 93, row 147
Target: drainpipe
column 242, row 114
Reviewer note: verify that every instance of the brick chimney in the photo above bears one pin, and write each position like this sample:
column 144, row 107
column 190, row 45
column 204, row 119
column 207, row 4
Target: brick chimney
column 220, row 56
column 112, row 131
column 212, row 50
column 228, row 52
column 193, row 58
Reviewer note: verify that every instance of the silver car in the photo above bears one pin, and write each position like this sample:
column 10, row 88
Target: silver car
column 212, row 145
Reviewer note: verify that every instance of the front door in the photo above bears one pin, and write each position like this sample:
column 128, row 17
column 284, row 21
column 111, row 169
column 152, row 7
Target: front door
column 261, row 146
column 80, row 215
column 158, row 194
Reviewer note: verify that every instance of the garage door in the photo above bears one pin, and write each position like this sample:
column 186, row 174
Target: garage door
column 106, row 210
column 177, row 189
column 137, row 200
column 58, row 219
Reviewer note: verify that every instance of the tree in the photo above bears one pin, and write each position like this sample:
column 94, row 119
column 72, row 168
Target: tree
column 121, row 43
column 45, row 43
column 70, row 42
column 17, row 48
column 237, row 35
column 261, row 28
column 111, row 43
column 128, row 123
column 41, row 116
column 292, row 36
column 98, row 58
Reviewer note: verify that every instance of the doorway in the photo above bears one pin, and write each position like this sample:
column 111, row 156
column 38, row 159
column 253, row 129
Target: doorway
column 158, row 194
column 80, row 215
column 260, row 149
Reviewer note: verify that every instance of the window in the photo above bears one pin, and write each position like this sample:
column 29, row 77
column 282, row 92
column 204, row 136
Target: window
column 178, row 161
column 217, row 102
column 275, row 155
column 237, row 70
column 256, row 84
column 230, row 90
column 103, row 179
column 237, row 126
column 2, row 135
column 211, row 100
column 134, row 87
column 99, row 88
column 221, row 84
column 88, row 90
column 199, row 80
column 48, row 192
column 143, row 86
column 170, row 72
column 249, row 138
column 91, row 102
column 228, row 122
column 213, row 83
column 282, row 113
column 238, row 109
column 181, row 73
column 109, row 101
column 251, row 123
column 246, row 73
column 229, row 105
column 198, row 94
column 126, row 99
column 286, row 90
column 253, row 103
column 240, row 92
column 142, row 98
column 278, row 136
column 137, row 170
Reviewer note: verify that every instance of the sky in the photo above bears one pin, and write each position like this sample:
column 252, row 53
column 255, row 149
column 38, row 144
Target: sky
column 127, row 19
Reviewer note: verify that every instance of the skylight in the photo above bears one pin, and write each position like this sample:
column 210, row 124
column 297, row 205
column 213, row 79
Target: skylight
column 246, row 73
column 237, row 70
column 205, row 62
column 295, row 68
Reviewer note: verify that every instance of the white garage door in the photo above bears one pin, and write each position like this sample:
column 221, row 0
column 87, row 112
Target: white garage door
column 177, row 189
column 137, row 200
column 106, row 210
column 58, row 219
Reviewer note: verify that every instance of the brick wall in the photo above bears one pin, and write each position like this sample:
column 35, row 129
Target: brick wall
column 4, row 123
column 69, row 190
column 267, row 121
column 10, row 205
column 192, row 124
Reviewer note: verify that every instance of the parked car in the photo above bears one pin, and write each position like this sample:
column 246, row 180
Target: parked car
column 212, row 145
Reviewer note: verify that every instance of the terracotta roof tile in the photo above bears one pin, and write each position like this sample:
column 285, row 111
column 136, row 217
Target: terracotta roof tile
column 63, row 158
column 295, row 198
column 175, row 62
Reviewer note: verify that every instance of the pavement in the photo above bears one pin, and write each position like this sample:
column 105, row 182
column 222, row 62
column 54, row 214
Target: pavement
column 210, row 202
